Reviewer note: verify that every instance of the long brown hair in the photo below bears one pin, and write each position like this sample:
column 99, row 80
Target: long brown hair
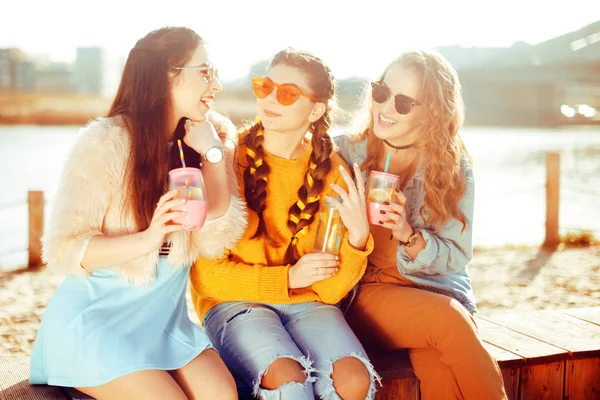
column 301, row 213
column 143, row 100
column 441, row 144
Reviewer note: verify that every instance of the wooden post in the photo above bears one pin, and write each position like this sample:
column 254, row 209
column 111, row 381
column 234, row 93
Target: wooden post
column 36, row 227
column 552, row 200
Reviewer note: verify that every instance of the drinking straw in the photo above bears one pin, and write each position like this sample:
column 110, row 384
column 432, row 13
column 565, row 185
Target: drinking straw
column 181, row 153
column 189, row 190
column 387, row 162
column 327, row 230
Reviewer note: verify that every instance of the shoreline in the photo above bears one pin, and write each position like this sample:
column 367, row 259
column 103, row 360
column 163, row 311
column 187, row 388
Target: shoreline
column 73, row 109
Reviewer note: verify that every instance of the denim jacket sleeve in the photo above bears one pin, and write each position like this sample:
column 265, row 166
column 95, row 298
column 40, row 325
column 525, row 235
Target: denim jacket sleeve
column 351, row 152
column 449, row 249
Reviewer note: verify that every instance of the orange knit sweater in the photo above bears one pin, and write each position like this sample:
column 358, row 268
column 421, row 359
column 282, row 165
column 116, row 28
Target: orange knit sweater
column 253, row 270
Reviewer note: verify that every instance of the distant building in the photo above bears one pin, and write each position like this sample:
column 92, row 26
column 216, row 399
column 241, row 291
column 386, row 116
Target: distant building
column 6, row 69
column 547, row 84
column 55, row 78
column 9, row 58
column 89, row 70
column 25, row 77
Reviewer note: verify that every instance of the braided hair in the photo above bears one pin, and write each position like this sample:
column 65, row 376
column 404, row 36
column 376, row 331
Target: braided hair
column 303, row 211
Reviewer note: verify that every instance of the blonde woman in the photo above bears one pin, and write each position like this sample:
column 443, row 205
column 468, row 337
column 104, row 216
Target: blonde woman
column 416, row 293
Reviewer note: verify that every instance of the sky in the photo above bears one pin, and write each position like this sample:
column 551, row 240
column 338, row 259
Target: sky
column 355, row 38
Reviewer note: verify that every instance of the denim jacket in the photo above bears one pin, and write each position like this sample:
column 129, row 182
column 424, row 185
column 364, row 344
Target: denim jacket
column 441, row 267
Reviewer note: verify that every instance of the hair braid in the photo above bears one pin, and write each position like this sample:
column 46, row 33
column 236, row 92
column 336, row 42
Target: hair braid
column 303, row 212
column 255, row 176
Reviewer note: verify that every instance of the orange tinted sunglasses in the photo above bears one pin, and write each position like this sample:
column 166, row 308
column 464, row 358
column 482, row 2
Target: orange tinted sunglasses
column 287, row 93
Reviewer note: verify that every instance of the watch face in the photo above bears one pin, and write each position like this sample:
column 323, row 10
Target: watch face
column 214, row 155
column 413, row 239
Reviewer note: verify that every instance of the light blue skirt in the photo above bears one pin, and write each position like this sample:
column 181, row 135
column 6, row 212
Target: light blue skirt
column 100, row 328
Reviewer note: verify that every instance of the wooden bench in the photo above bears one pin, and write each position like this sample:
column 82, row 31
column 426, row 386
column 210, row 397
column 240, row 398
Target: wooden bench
column 14, row 383
column 542, row 354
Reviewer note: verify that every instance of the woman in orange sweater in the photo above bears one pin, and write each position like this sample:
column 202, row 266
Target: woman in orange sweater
column 269, row 306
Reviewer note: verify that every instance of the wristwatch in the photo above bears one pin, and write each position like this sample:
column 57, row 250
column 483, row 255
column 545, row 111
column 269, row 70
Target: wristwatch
column 214, row 155
column 412, row 239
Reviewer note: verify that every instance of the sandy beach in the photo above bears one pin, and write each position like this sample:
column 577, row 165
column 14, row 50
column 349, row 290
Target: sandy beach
column 503, row 278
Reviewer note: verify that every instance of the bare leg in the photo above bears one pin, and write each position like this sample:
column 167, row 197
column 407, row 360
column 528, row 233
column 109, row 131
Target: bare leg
column 282, row 371
column 150, row 384
column 206, row 377
column 351, row 378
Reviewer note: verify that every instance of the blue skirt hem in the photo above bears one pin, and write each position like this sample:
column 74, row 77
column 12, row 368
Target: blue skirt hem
column 98, row 381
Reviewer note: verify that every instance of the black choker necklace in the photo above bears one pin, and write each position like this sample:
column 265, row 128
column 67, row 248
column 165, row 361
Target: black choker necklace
column 406, row 146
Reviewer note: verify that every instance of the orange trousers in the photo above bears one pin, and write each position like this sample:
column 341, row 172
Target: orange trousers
column 445, row 351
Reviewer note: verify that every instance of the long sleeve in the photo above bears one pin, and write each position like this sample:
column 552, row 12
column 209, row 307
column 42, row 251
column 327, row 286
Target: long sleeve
column 353, row 264
column 450, row 249
column 226, row 280
column 255, row 270
column 82, row 200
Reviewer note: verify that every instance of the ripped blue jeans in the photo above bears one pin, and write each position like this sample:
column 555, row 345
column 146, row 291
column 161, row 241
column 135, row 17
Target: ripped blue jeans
column 250, row 336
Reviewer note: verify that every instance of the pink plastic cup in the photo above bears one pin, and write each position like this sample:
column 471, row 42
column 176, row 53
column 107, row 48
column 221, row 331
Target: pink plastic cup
column 380, row 188
column 190, row 186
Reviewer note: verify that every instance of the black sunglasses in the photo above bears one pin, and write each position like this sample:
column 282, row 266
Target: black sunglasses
column 402, row 103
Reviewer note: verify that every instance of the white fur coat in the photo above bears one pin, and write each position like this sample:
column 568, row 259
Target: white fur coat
column 91, row 201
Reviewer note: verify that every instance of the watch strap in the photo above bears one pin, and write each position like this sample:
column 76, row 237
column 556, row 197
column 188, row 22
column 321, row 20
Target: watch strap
column 410, row 240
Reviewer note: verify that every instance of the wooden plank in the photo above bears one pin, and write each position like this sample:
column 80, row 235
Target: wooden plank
column 505, row 359
column 391, row 365
column 74, row 394
column 14, row 382
column 540, row 379
column 582, row 379
column 540, row 382
column 397, row 375
column 552, row 199
column 510, row 365
column 580, row 338
column 406, row 389
column 589, row 314
column 2, row 395
column 533, row 351
column 511, row 377
column 36, row 226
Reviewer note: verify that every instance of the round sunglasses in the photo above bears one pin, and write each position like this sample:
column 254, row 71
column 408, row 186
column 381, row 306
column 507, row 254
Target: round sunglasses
column 403, row 104
column 208, row 71
column 287, row 93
